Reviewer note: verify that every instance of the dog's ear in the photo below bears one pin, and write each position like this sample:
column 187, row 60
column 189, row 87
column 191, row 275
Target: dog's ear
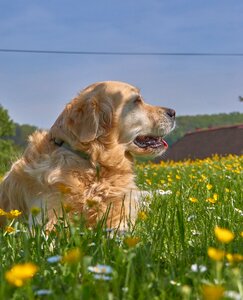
column 90, row 119
column 105, row 116
column 83, row 120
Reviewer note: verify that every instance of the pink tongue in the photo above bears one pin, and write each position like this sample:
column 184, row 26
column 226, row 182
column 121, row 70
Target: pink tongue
column 165, row 144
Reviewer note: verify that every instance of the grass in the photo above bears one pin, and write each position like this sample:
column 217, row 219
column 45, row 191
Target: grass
column 166, row 256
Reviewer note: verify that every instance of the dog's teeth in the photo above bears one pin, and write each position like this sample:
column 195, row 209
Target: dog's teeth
column 149, row 141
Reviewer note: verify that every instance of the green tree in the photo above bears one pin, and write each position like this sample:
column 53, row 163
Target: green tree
column 7, row 129
column 22, row 132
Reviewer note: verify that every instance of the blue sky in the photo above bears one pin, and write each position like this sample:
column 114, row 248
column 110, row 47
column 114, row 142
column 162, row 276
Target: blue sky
column 34, row 87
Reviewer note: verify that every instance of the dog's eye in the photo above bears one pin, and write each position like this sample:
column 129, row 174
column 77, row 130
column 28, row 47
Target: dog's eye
column 138, row 100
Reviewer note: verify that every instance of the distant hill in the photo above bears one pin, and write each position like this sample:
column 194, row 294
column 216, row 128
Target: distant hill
column 184, row 124
column 202, row 143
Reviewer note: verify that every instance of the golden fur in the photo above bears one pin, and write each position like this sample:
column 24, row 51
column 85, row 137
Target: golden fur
column 102, row 121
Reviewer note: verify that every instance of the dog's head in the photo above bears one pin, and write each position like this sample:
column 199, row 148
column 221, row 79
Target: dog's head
column 115, row 111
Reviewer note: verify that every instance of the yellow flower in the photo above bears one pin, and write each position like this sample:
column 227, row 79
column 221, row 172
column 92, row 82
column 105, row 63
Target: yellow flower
column 212, row 292
column 211, row 200
column 20, row 273
column 72, row 256
column 223, row 235
column 148, row 181
column 35, row 210
column 142, row 216
column 2, row 212
column 204, row 178
column 241, row 234
column 227, row 190
column 67, row 207
column 9, row 229
column 234, row 257
column 216, row 254
column 14, row 213
column 131, row 241
column 193, row 199
column 186, row 291
column 209, row 186
column 178, row 177
column 214, row 199
column 91, row 203
column 64, row 189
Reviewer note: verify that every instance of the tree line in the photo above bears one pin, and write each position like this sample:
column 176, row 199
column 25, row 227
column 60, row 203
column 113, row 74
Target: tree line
column 13, row 138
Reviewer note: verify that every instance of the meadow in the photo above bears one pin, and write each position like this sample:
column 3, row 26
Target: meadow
column 187, row 243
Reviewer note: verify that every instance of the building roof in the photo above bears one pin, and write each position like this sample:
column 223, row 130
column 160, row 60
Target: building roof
column 204, row 143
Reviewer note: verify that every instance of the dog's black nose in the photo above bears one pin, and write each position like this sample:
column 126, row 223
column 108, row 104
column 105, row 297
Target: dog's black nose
column 171, row 112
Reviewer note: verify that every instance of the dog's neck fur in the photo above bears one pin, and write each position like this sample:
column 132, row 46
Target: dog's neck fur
column 104, row 150
column 113, row 160
column 61, row 143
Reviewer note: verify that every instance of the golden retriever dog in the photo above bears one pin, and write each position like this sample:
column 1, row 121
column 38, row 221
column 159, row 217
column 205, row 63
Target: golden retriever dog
column 85, row 161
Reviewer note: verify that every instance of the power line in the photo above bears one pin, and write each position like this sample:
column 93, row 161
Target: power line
column 119, row 53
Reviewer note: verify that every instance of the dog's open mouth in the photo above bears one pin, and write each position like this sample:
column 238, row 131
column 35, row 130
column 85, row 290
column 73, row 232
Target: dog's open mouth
column 144, row 141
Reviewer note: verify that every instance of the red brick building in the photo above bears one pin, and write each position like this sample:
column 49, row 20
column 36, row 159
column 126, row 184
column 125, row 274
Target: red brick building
column 204, row 143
